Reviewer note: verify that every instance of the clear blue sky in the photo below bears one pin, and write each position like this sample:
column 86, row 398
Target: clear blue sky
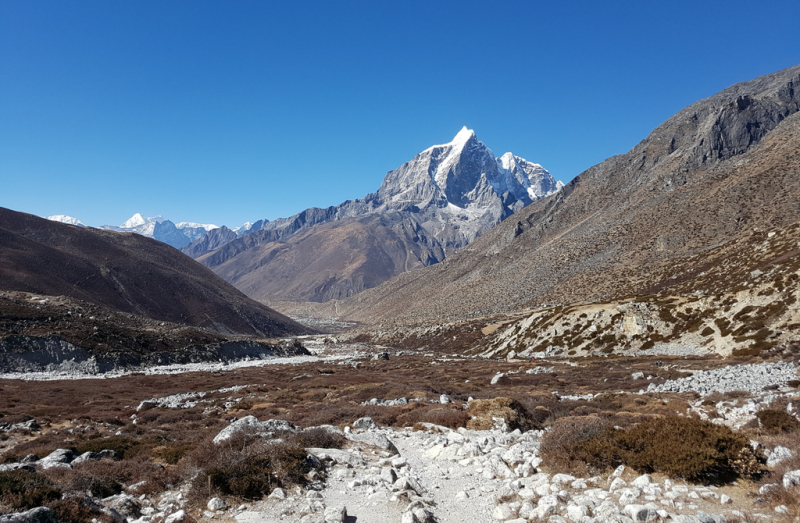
column 225, row 112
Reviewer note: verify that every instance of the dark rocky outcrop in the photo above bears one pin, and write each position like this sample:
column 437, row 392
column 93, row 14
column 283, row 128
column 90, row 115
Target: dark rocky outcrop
column 53, row 354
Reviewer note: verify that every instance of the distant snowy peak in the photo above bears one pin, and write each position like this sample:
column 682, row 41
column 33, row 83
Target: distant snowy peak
column 63, row 218
column 156, row 227
column 249, row 227
column 137, row 220
column 192, row 225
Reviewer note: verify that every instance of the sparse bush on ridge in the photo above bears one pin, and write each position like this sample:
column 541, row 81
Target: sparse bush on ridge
column 688, row 448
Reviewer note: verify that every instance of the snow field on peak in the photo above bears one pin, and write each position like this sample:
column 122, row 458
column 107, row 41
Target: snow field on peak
column 192, row 225
column 63, row 218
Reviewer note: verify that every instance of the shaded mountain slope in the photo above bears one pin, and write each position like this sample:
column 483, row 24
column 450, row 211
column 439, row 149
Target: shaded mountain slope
column 332, row 260
column 708, row 175
column 126, row 272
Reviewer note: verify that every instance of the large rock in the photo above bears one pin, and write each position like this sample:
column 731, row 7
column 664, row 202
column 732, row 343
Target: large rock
column 375, row 439
column 251, row 424
column 59, row 458
column 125, row 505
column 364, row 423
column 338, row 456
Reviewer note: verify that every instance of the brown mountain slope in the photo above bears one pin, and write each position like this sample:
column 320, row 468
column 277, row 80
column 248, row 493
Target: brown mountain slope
column 126, row 272
column 708, row 175
column 332, row 260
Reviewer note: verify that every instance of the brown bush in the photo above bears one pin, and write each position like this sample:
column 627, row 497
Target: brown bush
column 74, row 510
column 172, row 453
column 22, row 490
column 319, row 437
column 450, row 417
column 509, row 410
column 247, row 467
column 680, row 447
column 566, row 446
column 775, row 421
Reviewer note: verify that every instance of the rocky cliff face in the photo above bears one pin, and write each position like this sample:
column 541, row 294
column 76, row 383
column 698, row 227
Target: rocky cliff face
column 425, row 210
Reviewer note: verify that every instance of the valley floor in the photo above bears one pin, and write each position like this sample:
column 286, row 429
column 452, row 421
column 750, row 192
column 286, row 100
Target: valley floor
column 166, row 418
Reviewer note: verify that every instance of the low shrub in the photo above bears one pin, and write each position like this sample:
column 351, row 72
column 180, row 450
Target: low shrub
column 247, row 467
column 100, row 486
column 511, row 411
column 687, row 448
column 172, row 454
column 566, row 447
column 124, row 448
column 775, row 421
column 74, row 510
column 321, row 438
column 22, row 490
column 447, row 417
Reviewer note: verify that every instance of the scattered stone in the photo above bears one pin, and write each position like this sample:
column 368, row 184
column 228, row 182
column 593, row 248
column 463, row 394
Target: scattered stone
column 216, row 504
column 777, row 455
column 336, row 514
column 177, row 517
column 381, row 356
column 496, row 379
column 34, row 515
column 8, row 467
column 277, row 493
column 725, row 499
column 374, row 438
column 503, row 512
column 388, row 475
column 765, row 489
column 791, row 478
column 640, row 512
column 364, row 423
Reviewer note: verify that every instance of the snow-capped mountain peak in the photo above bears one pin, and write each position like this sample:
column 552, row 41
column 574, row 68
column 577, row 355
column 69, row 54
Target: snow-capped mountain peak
column 463, row 136
column 134, row 221
column 63, row 218
column 466, row 174
column 137, row 220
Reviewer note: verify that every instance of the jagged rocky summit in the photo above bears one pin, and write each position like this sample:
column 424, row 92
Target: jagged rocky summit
column 424, row 210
